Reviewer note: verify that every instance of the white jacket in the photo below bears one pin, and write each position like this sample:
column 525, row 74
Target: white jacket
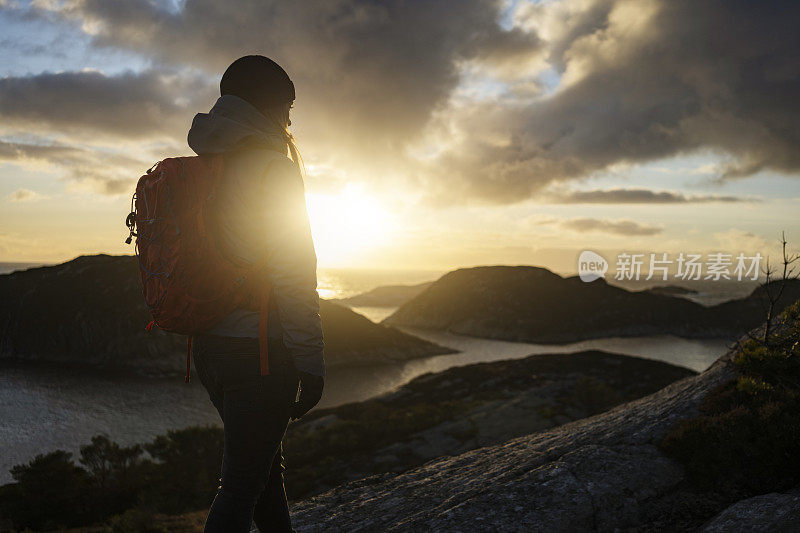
column 264, row 211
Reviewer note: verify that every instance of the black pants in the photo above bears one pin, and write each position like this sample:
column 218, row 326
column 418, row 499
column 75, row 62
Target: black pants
column 255, row 412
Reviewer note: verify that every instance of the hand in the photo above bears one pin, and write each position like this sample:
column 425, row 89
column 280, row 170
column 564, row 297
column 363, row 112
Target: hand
column 310, row 394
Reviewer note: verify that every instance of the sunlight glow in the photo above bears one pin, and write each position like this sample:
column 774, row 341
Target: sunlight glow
column 347, row 224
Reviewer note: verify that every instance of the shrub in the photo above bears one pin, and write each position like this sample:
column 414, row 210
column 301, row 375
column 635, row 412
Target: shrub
column 116, row 473
column 186, row 473
column 52, row 492
column 49, row 493
column 747, row 437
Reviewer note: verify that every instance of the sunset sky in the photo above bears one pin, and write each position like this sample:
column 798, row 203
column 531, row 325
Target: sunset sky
column 435, row 134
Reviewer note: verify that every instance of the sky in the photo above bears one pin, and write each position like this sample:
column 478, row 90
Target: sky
column 435, row 135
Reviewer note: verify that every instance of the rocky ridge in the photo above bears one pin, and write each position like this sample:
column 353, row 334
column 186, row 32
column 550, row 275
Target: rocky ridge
column 461, row 409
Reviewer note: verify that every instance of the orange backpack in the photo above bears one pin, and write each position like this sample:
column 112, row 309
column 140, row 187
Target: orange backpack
column 189, row 282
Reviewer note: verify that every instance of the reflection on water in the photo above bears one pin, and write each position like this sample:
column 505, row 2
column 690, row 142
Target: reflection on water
column 43, row 407
column 345, row 282
column 697, row 354
column 355, row 384
column 376, row 314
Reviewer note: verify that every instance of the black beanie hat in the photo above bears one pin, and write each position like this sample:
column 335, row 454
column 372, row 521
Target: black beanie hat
column 258, row 80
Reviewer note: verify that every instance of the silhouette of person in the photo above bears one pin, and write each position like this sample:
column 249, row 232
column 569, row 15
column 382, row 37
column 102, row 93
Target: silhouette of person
column 260, row 210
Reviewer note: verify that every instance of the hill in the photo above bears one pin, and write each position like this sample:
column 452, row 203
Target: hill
column 385, row 296
column 91, row 310
column 460, row 409
column 532, row 304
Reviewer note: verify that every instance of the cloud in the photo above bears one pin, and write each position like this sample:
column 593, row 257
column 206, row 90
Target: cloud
column 25, row 195
column 382, row 87
column 147, row 105
column 368, row 75
column 56, row 153
column 641, row 80
column 742, row 241
column 638, row 196
column 614, row 227
column 101, row 172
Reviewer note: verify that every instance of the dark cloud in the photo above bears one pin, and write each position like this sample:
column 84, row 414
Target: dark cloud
column 638, row 196
column 368, row 75
column 615, row 227
column 641, row 80
column 106, row 173
column 134, row 105
column 54, row 153
column 82, row 120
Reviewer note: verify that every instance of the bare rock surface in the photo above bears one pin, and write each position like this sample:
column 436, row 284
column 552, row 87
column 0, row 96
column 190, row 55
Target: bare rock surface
column 596, row 474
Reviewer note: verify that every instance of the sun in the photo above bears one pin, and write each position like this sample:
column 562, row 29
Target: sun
column 346, row 225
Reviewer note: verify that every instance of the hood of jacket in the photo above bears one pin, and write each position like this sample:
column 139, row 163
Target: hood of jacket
column 231, row 124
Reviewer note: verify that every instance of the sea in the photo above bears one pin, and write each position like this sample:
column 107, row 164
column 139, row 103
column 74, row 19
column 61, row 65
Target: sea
column 44, row 407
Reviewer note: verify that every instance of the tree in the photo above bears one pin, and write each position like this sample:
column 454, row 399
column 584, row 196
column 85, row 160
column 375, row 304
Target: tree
column 186, row 474
column 107, row 461
column 50, row 492
column 772, row 290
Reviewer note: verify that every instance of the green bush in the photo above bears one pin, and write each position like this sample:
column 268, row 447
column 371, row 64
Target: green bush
column 51, row 491
column 185, row 475
column 747, row 437
column 116, row 474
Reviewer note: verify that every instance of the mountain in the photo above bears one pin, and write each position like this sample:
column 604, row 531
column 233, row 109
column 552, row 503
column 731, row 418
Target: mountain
column 385, row 296
column 532, row 304
column 608, row 472
column 91, row 310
